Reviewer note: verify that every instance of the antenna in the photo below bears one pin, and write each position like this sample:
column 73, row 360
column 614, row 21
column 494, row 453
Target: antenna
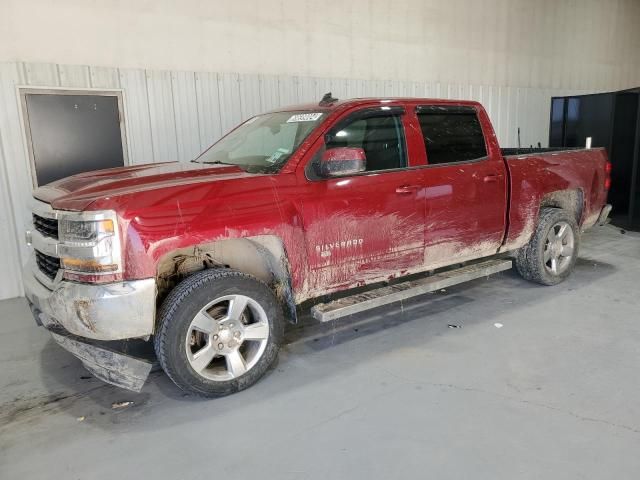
column 327, row 100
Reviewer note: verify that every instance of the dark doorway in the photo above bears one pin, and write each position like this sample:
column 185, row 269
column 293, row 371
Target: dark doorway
column 72, row 132
column 622, row 148
column 612, row 120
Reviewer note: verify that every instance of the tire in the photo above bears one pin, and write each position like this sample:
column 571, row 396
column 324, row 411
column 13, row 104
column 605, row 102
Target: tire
column 204, row 317
column 535, row 261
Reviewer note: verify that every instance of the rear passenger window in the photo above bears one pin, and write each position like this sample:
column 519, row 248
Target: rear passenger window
column 451, row 134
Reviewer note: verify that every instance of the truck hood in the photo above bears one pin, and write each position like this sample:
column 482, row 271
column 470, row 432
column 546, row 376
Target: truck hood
column 79, row 191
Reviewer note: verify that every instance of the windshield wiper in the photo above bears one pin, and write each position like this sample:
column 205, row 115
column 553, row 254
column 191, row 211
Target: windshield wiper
column 220, row 162
column 247, row 168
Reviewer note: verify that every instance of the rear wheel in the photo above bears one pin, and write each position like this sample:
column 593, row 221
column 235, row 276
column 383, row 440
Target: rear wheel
column 218, row 332
column 551, row 254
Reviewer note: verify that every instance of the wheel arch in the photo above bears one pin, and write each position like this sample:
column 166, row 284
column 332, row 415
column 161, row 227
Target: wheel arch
column 571, row 201
column 262, row 256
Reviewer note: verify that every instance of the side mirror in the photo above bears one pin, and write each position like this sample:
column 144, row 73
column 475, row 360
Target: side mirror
column 342, row 161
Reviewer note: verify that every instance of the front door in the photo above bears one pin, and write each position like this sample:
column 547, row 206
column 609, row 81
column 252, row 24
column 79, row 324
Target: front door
column 366, row 226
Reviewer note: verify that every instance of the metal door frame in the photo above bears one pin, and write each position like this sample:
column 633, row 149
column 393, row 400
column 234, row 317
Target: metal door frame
column 635, row 166
column 24, row 90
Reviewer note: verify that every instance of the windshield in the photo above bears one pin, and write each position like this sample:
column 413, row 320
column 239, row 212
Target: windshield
column 263, row 143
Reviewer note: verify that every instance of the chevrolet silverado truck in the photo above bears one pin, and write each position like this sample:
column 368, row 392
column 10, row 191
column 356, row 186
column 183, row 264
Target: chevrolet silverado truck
column 340, row 205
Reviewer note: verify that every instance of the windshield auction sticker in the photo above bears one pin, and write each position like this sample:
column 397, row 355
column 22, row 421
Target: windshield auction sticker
column 304, row 117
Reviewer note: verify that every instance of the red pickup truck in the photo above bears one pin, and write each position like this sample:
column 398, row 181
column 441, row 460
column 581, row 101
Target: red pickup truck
column 208, row 259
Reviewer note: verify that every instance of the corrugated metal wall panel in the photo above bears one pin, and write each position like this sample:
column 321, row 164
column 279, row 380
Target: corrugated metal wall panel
column 376, row 87
column 185, row 106
column 41, row 74
column 501, row 107
column 320, row 87
column 74, row 76
column 509, row 132
column 11, row 129
column 419, row 89
column 209, row 118
column 103, row 77
column 357, row 88
column 250, row 89
column 308, row 90
column 136, row 112
column 175, row 115
column 10, row 284
column 162, row 116
column 339, row 87
column 269, row 92
column 230, row 103
column 306, row 87
column 15, row 182
column 288, row 90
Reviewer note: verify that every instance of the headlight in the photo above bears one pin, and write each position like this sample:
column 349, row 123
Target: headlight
column 85, row 232
column 89, row 243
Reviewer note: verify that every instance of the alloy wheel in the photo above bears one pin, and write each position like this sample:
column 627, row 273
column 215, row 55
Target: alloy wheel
column 559, row 248
column 227, row 337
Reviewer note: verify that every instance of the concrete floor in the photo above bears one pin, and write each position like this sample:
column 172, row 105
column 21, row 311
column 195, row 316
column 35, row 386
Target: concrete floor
column 554, row 393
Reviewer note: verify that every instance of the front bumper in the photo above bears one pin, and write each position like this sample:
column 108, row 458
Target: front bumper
column 118, row 363
column 87, row 320
column 113, row 311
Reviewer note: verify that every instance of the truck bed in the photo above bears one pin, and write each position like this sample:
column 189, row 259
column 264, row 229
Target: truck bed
column 572, row 179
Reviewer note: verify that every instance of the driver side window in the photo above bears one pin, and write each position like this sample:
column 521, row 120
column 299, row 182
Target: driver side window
column 380, row 136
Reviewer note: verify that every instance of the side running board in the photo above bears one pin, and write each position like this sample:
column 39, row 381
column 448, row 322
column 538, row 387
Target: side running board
column 360, row 302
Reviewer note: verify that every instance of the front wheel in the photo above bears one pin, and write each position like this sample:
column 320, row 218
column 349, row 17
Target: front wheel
column 218, row 332
column 551, row 254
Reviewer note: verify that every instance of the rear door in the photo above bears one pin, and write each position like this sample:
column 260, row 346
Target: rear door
column 368, row 225
column 465, row 186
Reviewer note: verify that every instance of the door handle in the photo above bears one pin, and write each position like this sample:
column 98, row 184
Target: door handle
column 492, row 178
column 407, row 188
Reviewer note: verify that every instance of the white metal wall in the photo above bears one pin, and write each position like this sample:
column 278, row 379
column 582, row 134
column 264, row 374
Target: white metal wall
column 175, row 115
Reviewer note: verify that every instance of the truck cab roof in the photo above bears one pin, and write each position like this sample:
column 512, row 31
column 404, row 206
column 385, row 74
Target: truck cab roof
column 371, row 101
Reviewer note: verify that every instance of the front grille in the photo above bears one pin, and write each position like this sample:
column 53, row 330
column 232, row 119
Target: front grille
column 46, row 226
column 47, row 264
